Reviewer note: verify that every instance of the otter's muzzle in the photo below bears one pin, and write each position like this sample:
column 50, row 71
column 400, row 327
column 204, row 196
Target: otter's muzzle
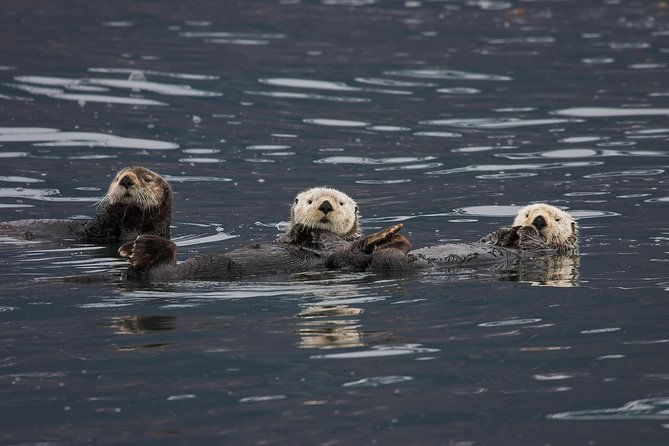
column 126, row 182
column 539, row 222
column 325, row 207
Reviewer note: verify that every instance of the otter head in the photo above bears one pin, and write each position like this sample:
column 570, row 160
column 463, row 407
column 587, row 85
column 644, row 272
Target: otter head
column 328, row 209
column 139, row 187
column 555, row 226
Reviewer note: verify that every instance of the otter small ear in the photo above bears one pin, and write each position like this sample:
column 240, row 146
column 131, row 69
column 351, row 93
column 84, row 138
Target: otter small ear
column 296, row 200
column 573, row 226
column 356, row 209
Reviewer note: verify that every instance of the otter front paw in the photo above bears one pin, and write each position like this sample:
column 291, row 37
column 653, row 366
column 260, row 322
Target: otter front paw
column 148, row 251
column 385, row 238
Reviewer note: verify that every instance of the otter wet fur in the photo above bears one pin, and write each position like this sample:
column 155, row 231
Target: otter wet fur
column 323, row 221
column 138, row 201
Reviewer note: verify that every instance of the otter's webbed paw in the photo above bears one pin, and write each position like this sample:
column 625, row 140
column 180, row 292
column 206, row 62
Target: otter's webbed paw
column 529, row 240
column 103, row 227
column 506, row 237
column 384, row 239
column 149, row 251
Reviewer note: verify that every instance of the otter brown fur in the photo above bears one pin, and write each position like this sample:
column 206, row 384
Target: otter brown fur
column 323, row 220
column 137, row 202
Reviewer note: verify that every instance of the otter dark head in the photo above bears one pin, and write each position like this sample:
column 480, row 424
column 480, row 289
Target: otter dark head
column 139, row 187
column 139, row 201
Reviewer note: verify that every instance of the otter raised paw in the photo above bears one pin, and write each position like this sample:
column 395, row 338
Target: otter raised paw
column 148, row 251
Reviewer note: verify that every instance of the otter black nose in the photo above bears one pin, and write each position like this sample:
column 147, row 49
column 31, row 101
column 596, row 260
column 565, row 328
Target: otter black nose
column 325, row 207
column 125, row 182
column 539, row 222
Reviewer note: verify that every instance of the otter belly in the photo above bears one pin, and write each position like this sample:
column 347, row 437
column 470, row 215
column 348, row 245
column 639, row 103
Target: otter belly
column 462, row 254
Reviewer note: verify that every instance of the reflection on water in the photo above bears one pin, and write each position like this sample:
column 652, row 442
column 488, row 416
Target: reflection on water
column 320, row 330
column 142, row 324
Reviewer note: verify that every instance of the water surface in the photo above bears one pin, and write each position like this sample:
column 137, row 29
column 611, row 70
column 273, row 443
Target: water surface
column 447, row 116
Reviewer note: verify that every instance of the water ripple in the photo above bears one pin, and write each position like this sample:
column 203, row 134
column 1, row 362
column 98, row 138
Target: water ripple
column 293, row 95
column 58, row 93
column 307, row 83
column 380, row 351
column 370, row 161
column 336, row 122
column 134, row 83
column 626, row 173
column 188, row 76
column 495, row 123
column 376, row 381
column 579, row 153
column 644, row 409
column 509, row 322
column 439, row 134
column 55, row 137
column 17, row 179
column 505, row 167
column 323, row 85
column 393, row 82
column 443, row 73
column 604, row 112
column 459, row 90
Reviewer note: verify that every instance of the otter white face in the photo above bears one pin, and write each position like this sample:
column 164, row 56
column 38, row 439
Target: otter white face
column 555, row 226
column 138, row 186
column 326, row 208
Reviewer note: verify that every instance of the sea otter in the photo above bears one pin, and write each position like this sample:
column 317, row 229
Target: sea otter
column 538, row 230
column 138, row 201
column 323, row 220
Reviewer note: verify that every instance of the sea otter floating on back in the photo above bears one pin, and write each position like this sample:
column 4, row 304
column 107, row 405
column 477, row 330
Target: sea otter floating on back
column 323, row 220
column 538, row 229
column 137, row 202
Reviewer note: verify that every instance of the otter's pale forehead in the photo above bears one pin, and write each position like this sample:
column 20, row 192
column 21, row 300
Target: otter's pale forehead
column 325, row 193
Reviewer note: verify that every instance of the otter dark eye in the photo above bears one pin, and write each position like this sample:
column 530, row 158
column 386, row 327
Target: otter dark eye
column 148, row 179
column 557, row 219
column 309, row 202
column 296, row 200
column 341, row 203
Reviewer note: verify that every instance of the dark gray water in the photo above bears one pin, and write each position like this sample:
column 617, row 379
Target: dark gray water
column 444, row 115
